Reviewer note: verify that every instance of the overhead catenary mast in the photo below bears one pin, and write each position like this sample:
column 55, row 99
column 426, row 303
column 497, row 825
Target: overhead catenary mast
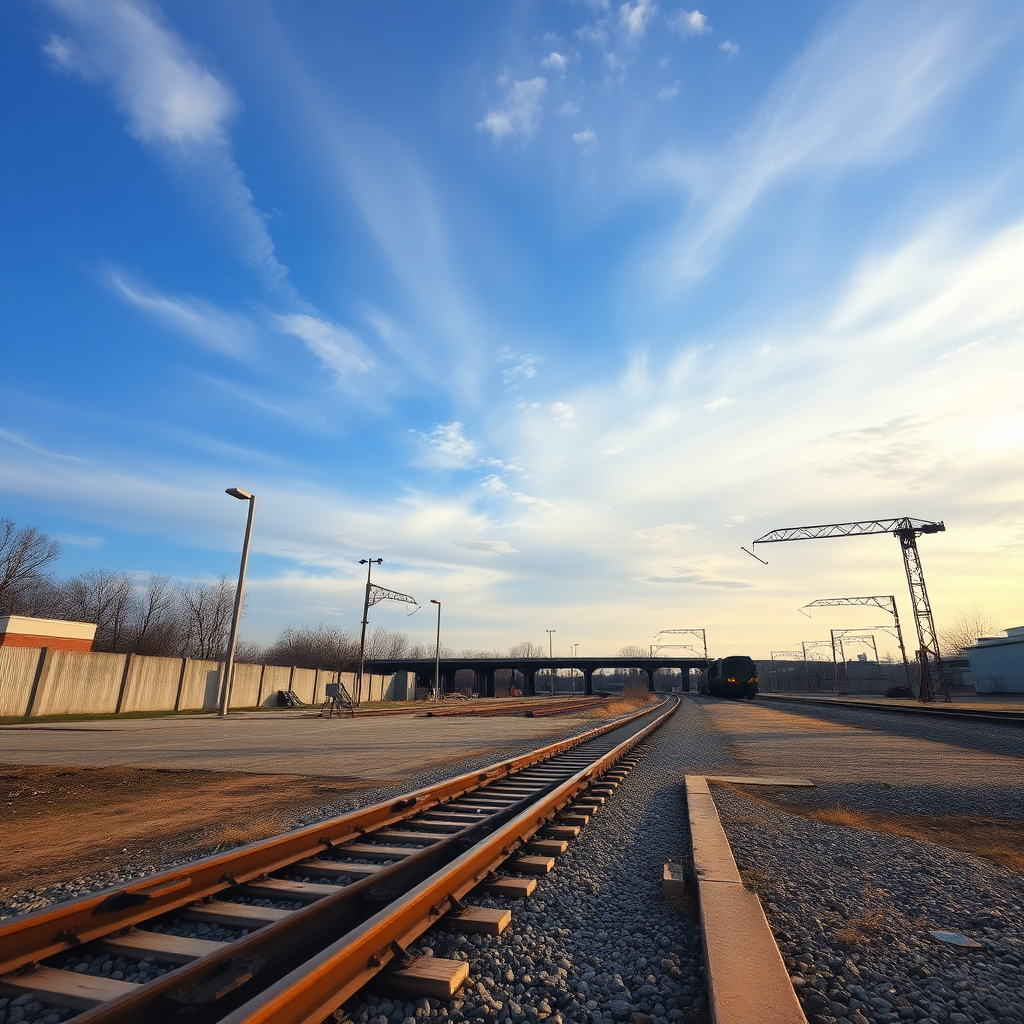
column 887, row 602
column 933, row 683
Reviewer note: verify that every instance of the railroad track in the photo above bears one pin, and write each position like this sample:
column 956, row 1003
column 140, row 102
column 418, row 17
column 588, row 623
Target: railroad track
column 304, row 920
column 935, row 711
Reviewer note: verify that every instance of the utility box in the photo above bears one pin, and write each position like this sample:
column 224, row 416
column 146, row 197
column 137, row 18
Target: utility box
column 24, row 631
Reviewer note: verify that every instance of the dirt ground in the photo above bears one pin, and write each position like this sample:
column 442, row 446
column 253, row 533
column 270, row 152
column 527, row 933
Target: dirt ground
column 60, row 822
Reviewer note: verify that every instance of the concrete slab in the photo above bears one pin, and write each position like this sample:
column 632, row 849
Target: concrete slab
column 369, row 749
column 747, row 979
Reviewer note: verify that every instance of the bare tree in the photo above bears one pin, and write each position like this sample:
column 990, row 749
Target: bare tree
column 386, row 643
column 207, row 610
column 156, row 619
column 634, row 651
column 25, row 557
column 106, row 598
column 526, row 649
column 963, row 631
column 325, row 646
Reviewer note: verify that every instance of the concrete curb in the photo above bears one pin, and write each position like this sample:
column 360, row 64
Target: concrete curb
column 964, row 714
column 747, row 979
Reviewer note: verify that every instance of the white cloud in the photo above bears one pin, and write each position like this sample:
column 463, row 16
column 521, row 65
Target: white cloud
column 337, row 348
column 520, row 112
column 585, row 138
column 556, row 61
column 210, row 326
column 668, row 92
column 660, row 535
column 564, row 413
column 486, row 547
column 172, row 102
column 729, row 49
column 718, row 403
column 633, row 17
column 569, row 108
column 689, row 23
column 496, row 485
column 451, row 445
column 617, row 449
column 524, row 367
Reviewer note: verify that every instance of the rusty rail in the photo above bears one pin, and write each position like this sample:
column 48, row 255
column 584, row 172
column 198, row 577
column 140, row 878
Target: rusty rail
column 35, row 936
column 311, row 992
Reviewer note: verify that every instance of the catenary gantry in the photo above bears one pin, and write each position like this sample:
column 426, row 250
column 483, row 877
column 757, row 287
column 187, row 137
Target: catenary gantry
column 485, row 669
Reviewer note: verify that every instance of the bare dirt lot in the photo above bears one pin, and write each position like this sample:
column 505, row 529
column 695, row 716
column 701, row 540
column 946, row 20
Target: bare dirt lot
column 60, row 822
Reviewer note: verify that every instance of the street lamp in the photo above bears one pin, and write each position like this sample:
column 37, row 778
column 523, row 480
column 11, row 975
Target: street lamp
column 437, row 653
column 369, row 563
column 549, row 632
column 229, row 658
column 575, row 650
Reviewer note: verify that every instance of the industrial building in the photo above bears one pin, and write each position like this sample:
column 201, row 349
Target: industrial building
column 997, row 662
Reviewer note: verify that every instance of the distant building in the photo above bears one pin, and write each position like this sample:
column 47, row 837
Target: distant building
column 22, row 631
column 997, row 662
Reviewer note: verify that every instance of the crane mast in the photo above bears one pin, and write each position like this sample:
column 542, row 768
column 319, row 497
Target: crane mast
column 933, row 683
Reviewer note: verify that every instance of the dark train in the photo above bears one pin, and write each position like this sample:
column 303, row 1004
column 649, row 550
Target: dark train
column 730, row 677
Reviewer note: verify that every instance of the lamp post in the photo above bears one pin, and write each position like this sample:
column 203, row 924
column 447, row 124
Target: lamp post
column 229, row 657
column 369, row 563
column 549, row 632
column 437, row 653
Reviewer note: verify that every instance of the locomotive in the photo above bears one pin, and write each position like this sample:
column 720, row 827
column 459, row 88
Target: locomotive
column 730, row 677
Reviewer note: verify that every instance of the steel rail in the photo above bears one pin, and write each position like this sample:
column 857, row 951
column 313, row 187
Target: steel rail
column 1009, row 717
column 32, row 937
column 311, row 992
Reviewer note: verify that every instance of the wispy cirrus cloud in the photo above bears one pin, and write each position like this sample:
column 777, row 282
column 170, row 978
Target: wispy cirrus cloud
column 486, row 547
column 859, row 95
column 336, row 347
column 212, row 327
column 173, row 104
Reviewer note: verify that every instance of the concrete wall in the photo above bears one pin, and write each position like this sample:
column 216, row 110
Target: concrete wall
column 152, row 684
column 17, row 671
column 47, row 681
column 74, row 683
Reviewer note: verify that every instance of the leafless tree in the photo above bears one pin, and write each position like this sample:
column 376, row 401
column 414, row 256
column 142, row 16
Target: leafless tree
column 156, row 623
column 963, row 631
column 386, row 643
column 634, row 651
column 326, row 646
column 106, row 598
column 207, row 612
column 526, row 649
column 26, row 555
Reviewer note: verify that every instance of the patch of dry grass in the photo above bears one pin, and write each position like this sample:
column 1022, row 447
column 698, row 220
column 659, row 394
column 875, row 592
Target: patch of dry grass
column 860, row 930
column 1000, row 840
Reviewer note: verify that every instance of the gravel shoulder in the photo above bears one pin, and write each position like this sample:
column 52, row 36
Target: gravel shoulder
column 852, row 910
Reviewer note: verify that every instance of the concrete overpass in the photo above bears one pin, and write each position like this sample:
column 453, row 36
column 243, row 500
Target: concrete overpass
column 485, row 668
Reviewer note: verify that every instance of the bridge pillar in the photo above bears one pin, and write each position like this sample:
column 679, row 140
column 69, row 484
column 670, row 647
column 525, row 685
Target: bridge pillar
column 530, row 675
column 588, row 682
column 447, row 681
column 650, row 679
column 487, row 686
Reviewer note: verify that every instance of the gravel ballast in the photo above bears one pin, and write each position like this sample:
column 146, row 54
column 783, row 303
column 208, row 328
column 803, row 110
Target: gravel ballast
column 596, row 942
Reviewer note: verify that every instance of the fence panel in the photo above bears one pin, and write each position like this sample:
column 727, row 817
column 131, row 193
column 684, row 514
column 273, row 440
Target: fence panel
column 18, row 666
column 302, row 683
column 199, row 689
column 81, row 683
column 152, row 684
column 246, row 687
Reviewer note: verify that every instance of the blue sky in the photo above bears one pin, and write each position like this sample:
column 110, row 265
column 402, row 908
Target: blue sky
column 552, row 306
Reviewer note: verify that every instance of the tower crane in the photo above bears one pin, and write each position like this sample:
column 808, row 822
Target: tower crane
column 907, row 530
